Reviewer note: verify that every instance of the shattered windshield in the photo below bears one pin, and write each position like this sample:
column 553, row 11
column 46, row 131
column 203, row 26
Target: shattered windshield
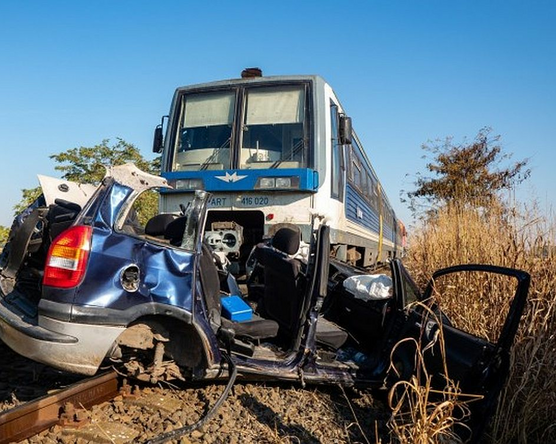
column 179, row 230
column 193, row 215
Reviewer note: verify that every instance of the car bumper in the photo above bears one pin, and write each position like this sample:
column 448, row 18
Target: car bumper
column 68, row 346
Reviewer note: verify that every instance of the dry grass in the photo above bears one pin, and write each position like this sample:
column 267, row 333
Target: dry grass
column 421, row 413
column 519, row 239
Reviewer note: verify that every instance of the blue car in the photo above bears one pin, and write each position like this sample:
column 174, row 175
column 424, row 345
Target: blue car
column 85, row 283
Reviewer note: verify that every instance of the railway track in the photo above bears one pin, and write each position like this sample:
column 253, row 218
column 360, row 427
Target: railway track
column 35, row 416
column 253, row 413
column 35, row 398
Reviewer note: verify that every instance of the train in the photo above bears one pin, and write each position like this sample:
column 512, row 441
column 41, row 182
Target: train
column 275, row 151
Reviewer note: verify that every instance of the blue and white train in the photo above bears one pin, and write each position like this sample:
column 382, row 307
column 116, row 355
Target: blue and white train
column 273, row 151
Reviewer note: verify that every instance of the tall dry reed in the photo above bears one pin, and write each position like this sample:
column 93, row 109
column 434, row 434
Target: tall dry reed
column 421, row 412
column 506, row 237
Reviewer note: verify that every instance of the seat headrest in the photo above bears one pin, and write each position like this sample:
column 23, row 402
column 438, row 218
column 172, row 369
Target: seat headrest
column 175, row 229
column 156, row 226
column 286, row 240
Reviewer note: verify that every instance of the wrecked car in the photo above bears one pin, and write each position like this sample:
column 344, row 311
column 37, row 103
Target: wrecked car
column 83, row 283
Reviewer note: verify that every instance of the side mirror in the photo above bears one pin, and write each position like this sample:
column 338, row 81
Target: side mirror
column 345, row 130
column 158, row 139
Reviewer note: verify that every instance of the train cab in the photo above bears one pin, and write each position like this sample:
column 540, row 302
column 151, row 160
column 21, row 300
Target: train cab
column 274, row 151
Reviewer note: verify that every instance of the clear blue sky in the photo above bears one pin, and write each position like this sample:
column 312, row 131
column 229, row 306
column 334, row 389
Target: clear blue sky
column 73, row 73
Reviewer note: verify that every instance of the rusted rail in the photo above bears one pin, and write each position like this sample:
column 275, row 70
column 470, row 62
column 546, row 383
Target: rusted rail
column 35, row 416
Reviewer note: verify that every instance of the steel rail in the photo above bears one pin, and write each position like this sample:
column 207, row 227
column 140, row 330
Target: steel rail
column 35, row 416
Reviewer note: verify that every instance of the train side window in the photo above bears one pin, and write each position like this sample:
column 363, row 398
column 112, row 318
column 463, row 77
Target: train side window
column 337, row 179
column 373, row 196
column 356, row 173
column 358, row 170
column 349, row 159
column 367, row 184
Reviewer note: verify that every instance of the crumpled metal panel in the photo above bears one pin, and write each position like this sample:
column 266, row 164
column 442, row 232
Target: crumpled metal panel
column 165, row 273
column 131, row 176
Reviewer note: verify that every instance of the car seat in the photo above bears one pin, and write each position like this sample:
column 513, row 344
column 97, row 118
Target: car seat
column 285, row 286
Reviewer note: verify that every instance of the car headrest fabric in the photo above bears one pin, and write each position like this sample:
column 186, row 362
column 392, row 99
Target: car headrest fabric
column 175, row 229
column 286, row 240
column 156, row 226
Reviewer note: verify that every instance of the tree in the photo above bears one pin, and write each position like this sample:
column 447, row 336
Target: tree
column 29, row 195
column 4, row 232
column 466, row 174
column 87, row 165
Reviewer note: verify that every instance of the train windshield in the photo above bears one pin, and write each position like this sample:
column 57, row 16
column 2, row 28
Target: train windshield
column 269, row 132
column 205, row 131
column 273, row 133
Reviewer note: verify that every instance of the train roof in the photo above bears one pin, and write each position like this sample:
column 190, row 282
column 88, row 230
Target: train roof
column 253, row 81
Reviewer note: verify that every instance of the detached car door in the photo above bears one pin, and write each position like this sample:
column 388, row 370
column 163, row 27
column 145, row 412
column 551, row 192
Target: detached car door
column 464, row 343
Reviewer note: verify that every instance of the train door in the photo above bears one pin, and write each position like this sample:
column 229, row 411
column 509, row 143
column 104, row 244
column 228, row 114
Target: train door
column 337, row 161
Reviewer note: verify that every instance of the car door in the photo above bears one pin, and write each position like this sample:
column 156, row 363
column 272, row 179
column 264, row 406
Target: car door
column 478, row 365
column 134, row 275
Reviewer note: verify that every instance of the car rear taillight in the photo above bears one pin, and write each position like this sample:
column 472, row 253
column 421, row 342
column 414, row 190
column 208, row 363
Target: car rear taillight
column 66, row 261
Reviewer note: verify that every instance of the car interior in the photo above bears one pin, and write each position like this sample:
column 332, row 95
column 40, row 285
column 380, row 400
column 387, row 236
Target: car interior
column 346, row 326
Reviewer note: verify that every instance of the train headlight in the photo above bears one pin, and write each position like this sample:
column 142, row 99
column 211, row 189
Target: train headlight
column 277, row 183
column 283, row 182
column 188, row 184
column 266, row 182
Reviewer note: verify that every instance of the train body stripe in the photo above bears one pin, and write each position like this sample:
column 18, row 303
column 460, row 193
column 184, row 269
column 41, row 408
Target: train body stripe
column 358, row 210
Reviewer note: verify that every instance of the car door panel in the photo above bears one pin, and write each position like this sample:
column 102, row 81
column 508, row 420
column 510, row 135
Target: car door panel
column 476, row 365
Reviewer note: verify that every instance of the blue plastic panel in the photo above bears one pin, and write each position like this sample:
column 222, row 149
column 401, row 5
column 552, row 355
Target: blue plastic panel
column 236, row 309
column 244, row 180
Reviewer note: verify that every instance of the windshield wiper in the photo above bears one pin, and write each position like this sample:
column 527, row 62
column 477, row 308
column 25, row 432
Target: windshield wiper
column 210, row 159
column 296, row 149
